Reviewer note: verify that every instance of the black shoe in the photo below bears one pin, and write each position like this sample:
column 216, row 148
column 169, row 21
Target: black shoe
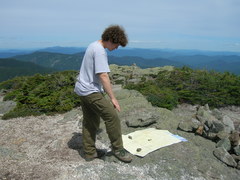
column 99, row 154
column 122, row 155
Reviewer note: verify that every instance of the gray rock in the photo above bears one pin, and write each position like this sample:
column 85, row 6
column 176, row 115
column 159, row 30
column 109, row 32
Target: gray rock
column 13, row 154
column 208, row 123
column 167, row 119
column 200, row 111
column 199, row 130
column 229, row 126
column 209, row 118
column 196, row 123
column 205, row 116
column 205, row 134
column 238, row 166
column 217, row 113
column 201, row 119
column 222, row 135
column 212, row 136
column 206, row 107
column 6, row 106
column 235, row 138
column 222, row 154
column 187, row 126
column 225, row 143
column 235, row 157
column 141, row 122
column 218, row 126
column 136, row 111
column 237, row 150
column 73, row 115
column 206, row 128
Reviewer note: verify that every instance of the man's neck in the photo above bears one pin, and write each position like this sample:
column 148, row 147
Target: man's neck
column 102, row 43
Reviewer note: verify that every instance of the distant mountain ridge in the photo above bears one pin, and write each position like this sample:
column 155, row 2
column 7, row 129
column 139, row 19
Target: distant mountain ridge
column 142, row 62
column 229, row 63
column 10, row 68
column 73, row 61
column 54, row 60
column 144, row 58
column 140, row 52
column 63, row 50
column 59, row 61
column 166, row 53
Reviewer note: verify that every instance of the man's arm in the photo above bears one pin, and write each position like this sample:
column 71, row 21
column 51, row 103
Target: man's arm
column 104, row 78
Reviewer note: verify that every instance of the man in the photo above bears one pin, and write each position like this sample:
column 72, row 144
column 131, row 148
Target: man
column 93, row 79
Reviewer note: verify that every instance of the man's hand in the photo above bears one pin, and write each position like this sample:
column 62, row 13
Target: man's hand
column 115, row 104
column 104, row 78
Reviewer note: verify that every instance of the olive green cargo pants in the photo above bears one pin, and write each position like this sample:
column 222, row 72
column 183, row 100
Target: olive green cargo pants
column 95, row 106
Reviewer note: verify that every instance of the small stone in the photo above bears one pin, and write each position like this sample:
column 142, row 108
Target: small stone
column 142, row 121
column 224, row 156
column 139, row 149
column 237, row 150
column 217, row 126
column 222, row 135
column 225, row 143
column 200, row 111
column 238, row 166
column 235, row 138
column 200, row 130
column 235, row 157
column 229, row 126
column 218, row 114
column 185, row 126
column 212, row 136
column 206, row 107
column 129, row 137
column 206, row 128
column 195, row 123
column 201, row 119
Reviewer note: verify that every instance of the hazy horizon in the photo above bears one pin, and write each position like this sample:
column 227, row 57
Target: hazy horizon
column 208, row 25
column 191, row 51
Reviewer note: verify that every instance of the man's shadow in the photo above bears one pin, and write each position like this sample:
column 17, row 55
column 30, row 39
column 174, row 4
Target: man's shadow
column 76, row 143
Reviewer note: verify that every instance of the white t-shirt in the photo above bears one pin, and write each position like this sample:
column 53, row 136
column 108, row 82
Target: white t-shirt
column 94, row 61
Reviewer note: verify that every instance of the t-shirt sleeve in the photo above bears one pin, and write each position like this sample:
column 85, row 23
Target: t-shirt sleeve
column 101, row 61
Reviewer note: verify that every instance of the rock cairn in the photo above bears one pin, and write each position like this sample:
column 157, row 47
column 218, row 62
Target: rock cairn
column 218, row 127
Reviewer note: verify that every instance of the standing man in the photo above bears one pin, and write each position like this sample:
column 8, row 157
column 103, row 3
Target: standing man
column 93, row 79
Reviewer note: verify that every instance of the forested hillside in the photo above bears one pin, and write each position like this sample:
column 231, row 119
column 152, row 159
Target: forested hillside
column 223, row 63
column 10, row 68
column 73, row 62
column 54, row 60
column 230, row 63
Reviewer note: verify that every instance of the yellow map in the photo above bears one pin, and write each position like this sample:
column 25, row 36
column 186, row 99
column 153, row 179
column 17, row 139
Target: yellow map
column 142, row 142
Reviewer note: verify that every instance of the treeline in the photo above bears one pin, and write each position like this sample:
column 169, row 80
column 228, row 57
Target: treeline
column 10, row 68
column 39, row 94
column 184, row 85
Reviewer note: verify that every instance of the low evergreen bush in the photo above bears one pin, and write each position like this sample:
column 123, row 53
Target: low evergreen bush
column 184, row 85
column 38, row 94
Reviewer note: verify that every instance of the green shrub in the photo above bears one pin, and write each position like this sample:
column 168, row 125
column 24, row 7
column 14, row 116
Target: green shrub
column 165, row 98
column 38, row 94
column 184, row 85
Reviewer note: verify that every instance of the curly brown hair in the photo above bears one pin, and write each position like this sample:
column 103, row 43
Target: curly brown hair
column 116, row 35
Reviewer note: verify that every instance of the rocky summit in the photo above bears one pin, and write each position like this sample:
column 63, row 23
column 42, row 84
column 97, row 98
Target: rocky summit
column 50, row 147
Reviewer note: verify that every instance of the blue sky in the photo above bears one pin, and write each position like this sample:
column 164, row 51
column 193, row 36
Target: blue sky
column 176, row 24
